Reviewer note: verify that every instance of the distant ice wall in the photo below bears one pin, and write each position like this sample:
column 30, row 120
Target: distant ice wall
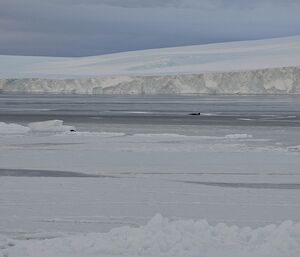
column 266, row 81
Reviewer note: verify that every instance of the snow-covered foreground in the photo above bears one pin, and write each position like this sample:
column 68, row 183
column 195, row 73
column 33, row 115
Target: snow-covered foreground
column 96, row 193
column 163, row 238
column 253, row 67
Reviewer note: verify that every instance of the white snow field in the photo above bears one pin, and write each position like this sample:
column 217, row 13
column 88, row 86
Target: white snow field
column 229, row 191
column 250, row 67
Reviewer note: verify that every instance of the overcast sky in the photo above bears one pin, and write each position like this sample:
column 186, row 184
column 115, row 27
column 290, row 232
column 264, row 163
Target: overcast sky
column 90, row 27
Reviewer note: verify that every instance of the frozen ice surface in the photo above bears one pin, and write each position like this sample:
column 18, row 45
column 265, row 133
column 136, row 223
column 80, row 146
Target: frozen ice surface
column 243, row 178
column 93, row 192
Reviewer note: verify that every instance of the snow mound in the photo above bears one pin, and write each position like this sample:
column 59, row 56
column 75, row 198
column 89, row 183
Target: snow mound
column 11, row 128
column 164, row 238
column 51, row 126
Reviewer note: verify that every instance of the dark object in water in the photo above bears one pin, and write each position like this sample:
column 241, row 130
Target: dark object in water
column 195, row 113
column 72, row 130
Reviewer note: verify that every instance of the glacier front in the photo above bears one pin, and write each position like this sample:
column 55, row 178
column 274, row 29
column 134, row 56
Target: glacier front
column 263, row 81
column 251, row 67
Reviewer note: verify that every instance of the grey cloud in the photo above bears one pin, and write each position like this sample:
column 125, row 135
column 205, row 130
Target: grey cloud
column 181, row 3
column 203, row 4
column 77, row 28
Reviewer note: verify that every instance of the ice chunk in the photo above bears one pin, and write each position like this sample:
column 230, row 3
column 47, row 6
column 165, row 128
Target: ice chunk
column 11, row 128
column 55, row 126
column 238, row 136
column 50, row 126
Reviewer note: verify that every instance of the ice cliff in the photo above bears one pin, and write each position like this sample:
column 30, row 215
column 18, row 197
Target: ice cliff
column 263, row 81
column 269, row 66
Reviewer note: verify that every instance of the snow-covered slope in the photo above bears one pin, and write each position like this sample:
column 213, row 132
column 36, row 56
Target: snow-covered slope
column 247, row 55
column 262, row 66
